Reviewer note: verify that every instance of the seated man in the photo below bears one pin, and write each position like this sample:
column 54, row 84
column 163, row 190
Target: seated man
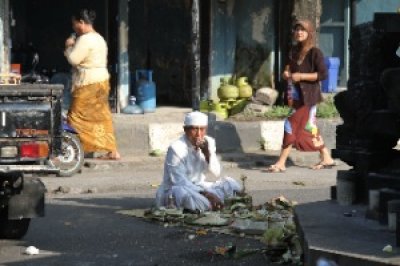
column 186, row 162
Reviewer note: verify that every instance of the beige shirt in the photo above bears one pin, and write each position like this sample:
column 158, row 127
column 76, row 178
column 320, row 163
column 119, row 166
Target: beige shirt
column 89, row 59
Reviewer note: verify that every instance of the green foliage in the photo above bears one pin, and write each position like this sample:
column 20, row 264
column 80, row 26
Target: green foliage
column 326, row 109
column 277, row 112
column 273, row 236
column 156, row 153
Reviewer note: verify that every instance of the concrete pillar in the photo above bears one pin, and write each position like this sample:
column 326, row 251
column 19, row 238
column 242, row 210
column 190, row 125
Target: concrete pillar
column 346, row 187
column 393, row 209
column 195, row 55
column 123, row 87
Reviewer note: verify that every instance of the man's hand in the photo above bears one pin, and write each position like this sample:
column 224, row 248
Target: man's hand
column 216, row 204
column 203, row 146
column 69, row 42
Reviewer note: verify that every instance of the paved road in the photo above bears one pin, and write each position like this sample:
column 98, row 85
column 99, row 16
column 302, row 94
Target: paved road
column 88, row 231
column 84, row 229
column 143, row 178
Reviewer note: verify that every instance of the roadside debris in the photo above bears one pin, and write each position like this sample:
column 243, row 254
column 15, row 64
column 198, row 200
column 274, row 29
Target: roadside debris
column 298, row 183
column 139, row 213
column 156, row 153
column 201, row 232
column 271, row 223
column 31, row 250
column 347, row 214
column 209, row 218
column 388, row 249
column 231, row 251
column 62, row 189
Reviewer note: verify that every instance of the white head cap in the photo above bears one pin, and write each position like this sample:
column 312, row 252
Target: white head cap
column 196, row 118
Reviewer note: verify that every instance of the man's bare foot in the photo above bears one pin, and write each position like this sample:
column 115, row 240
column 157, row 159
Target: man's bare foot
column 110, row 156
column 116, row 155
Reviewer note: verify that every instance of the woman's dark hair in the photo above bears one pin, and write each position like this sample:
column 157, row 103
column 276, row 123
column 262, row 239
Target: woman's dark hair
column 301, row 49
column 87, row 15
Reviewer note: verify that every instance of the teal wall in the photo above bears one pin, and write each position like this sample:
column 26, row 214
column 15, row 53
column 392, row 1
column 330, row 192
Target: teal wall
column 223, row 37
column 365, row 9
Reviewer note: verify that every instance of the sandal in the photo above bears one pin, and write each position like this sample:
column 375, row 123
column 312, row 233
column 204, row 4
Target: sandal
column 275, row 169
column 322, row 165
column 109, row 156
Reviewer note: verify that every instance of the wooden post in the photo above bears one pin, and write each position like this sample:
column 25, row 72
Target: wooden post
column 5, row 49
column 195, row 54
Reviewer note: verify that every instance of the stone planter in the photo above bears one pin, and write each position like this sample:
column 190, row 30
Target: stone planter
column 138, row 137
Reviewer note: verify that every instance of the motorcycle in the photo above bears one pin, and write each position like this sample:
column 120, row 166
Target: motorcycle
column 71, row 159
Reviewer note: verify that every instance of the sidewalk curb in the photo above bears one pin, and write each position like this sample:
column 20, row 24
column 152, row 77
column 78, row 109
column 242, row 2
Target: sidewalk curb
column 229, row 160
column 78, row 184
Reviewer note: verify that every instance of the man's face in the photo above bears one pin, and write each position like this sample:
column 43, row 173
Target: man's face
column 195, row 134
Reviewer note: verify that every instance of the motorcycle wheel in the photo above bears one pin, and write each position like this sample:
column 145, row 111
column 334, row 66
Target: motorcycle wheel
column 71, row 159
column 12, row 229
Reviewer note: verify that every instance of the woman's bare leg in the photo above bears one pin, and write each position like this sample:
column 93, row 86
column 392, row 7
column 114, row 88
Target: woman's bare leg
column 326, row 157
column 281, row 163
column 326, row 160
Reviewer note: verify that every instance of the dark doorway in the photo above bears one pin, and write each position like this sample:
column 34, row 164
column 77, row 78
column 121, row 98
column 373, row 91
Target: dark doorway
column 160, row 40
column 43, row 26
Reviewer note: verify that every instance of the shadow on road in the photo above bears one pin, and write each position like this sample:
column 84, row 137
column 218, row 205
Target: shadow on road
column 88, row 231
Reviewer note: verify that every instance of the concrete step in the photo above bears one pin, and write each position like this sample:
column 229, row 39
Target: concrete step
column 344, row 235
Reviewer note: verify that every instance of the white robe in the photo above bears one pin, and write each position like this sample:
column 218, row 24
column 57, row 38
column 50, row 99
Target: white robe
column 184, row 176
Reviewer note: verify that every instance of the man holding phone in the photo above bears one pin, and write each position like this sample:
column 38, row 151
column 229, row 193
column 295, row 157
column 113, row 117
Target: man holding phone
column 187, row 162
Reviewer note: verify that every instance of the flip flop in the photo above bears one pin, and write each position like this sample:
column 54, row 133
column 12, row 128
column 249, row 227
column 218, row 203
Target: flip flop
column 320, row 166
column 275, row 169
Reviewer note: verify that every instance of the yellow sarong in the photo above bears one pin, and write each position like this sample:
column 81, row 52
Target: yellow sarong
column 90, row 116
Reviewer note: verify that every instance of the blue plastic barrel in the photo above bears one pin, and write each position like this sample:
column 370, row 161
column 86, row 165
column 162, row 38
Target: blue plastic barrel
column 145, row 90
column 330, row 84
